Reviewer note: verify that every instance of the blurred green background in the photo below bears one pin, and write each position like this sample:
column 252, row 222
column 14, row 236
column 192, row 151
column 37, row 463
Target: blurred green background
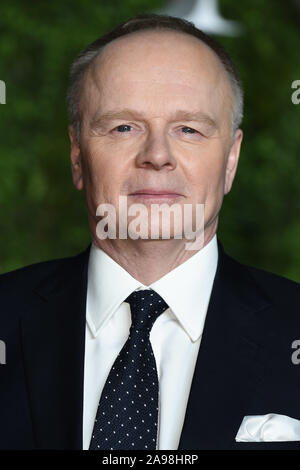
column 44, row 217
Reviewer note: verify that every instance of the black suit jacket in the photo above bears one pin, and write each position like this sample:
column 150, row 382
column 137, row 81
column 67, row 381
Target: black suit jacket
column 244, row 364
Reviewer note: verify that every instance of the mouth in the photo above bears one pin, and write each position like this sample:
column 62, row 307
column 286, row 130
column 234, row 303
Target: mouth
column 155, row 194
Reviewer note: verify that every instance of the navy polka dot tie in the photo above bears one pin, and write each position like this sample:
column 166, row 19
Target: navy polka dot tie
column 127, row 416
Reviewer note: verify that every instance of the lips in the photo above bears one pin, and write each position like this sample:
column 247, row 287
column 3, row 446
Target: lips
column 155, row 192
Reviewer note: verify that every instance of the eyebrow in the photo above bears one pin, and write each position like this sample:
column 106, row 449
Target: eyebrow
column 131, row 114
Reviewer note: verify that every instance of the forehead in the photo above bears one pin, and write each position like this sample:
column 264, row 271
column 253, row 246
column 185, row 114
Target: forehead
column 155, row 62
column 144, row 49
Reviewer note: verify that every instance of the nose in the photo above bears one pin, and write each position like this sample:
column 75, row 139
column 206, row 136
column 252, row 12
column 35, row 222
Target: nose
column 156, row 152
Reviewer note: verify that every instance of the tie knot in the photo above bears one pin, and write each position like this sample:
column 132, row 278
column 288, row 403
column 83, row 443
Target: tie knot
column 145, row 305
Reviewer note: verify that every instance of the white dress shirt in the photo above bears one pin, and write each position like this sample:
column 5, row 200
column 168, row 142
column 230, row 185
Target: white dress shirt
column 175, row 336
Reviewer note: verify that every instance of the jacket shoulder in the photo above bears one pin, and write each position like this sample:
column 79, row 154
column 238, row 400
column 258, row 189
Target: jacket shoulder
column 274, row 284
column 281, row 292
column 277, row 298
column 27, row 277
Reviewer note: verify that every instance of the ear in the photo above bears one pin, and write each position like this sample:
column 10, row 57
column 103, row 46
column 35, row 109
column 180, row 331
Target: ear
column 76, row 165
column 232, row 161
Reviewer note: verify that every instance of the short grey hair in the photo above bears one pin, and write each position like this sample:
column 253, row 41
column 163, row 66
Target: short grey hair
column 86, row 57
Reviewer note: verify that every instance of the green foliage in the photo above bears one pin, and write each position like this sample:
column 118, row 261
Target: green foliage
column 44, row 217
column 260, row 217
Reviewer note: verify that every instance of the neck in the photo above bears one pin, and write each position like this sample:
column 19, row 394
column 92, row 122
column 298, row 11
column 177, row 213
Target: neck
column 149, row 260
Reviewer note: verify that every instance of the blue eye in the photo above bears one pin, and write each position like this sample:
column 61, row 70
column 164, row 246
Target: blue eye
column 123, row 128
column 188, row 130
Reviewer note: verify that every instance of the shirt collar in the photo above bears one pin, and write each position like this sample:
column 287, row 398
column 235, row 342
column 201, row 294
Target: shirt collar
column 186, row 289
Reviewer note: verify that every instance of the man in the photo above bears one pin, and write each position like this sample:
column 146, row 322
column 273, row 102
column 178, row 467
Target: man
column 142, row 343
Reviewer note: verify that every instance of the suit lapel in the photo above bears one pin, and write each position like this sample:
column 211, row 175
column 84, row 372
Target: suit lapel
column 228, row 369
column 53, row 336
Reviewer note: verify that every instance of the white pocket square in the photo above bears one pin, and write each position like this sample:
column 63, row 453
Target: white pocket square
column 267, row 428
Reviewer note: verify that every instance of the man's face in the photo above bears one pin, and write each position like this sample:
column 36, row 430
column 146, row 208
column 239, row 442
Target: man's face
column 156, row 116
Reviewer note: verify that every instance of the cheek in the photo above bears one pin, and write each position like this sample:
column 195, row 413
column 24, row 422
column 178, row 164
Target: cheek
column 207, row 176
column 103, row 176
